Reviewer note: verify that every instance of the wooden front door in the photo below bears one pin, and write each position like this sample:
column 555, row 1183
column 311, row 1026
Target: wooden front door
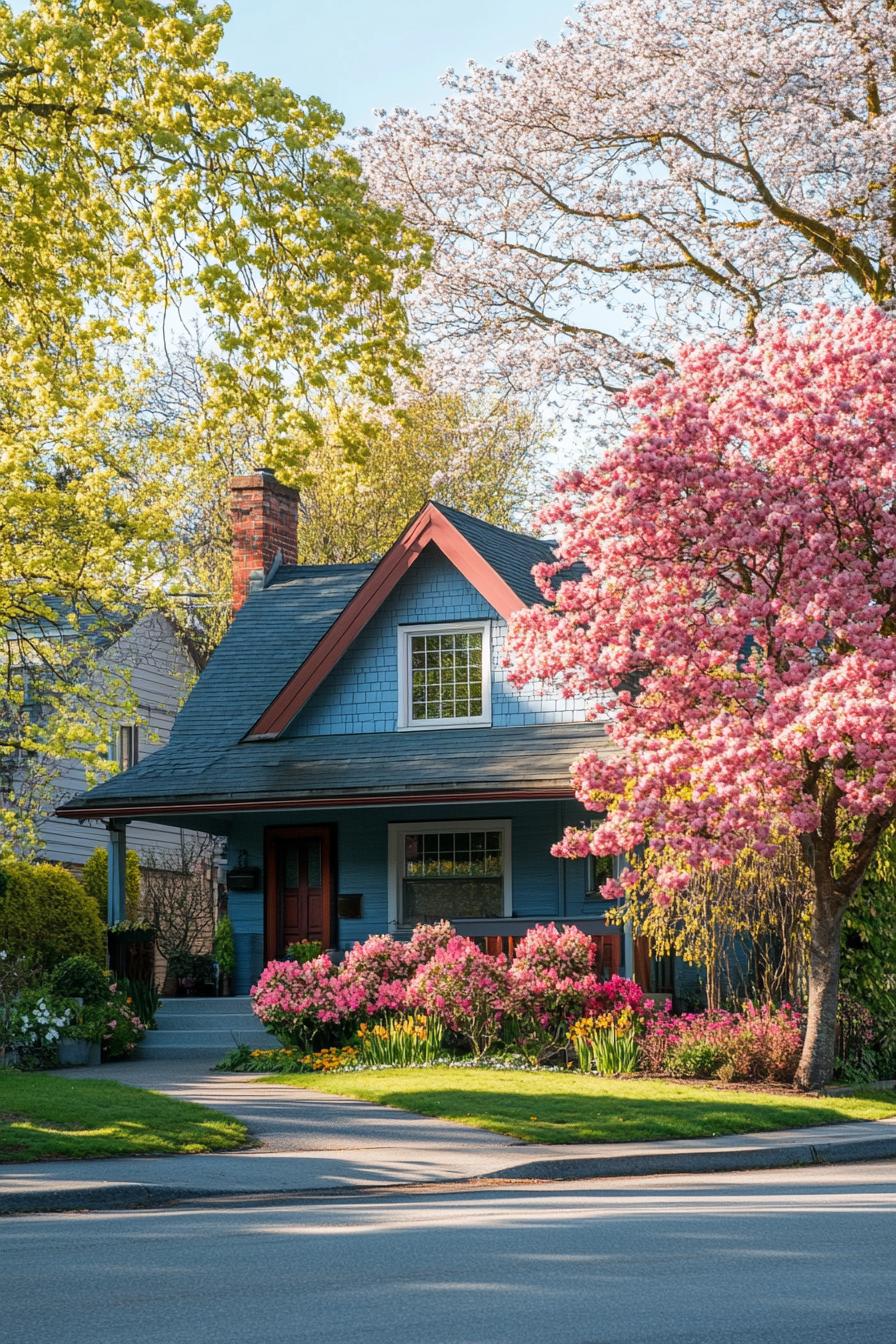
column 299, row 887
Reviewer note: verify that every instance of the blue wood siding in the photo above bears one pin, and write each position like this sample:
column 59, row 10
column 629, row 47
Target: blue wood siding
column 543, row 887
column 361, row 693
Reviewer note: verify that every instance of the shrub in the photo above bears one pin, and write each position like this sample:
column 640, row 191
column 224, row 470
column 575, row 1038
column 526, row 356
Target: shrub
column 467, row 989
column 122, row 1026
column 297, row 1001
column 698, row 1059
column 225, row 947
column 46, row 914
column 752, row 1045
column 192, row 968
column 567, row 953
column 374, row 977
column 304, row 950
column 35, row 1021
column 79, row 977
column 95, row 881
column 426, row 940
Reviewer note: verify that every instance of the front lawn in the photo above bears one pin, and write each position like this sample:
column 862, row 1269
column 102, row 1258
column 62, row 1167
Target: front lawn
column 46, row 1116
column 580, row 1108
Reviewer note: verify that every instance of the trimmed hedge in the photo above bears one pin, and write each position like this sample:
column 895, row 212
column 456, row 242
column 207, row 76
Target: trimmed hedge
column 46, row 914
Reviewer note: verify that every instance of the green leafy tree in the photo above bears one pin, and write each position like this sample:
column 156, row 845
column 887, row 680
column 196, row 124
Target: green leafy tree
column 149, row 191
column 358, row 485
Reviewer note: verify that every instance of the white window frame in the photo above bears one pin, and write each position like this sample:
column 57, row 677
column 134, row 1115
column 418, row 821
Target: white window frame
column 405, row 633
column 399, row 829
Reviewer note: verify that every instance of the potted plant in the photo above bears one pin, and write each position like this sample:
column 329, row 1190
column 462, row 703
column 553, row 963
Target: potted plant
column 225, row 954
column 80, row 1040
column 194, row 972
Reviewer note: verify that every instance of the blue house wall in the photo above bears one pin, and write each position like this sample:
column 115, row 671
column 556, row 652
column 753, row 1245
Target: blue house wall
column 542, row 887
column 361, row 693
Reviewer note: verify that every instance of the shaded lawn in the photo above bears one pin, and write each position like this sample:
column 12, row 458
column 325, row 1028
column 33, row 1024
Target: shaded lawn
column 42, row 1115
column 577, row 1108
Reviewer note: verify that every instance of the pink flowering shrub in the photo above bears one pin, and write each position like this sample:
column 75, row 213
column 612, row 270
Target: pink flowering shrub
column 428, row 938
column 755, row 1044
column 567, row 953
column 374, row 976
column 297, row 1001
column 467, row 989
column 552, row 986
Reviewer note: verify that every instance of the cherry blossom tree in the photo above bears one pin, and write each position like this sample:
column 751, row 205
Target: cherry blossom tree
column 660, row 173
column 738, row 611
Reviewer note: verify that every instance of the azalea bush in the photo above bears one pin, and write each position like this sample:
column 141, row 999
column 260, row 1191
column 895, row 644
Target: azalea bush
column 467, row 989
column 399, row 1004
column 298, row 1001
column 552, row 986
column 374, row 977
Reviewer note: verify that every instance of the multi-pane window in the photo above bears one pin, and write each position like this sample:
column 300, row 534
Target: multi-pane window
column 451, row 874
column 446, row 675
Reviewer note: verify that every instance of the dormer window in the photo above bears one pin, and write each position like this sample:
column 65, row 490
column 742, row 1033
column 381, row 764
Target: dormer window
column 444, row 675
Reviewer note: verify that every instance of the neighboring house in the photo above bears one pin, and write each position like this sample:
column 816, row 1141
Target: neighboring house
column 356, row 739
column 147, row 658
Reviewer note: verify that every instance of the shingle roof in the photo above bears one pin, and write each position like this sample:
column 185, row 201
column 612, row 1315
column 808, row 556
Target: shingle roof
column 463, row 760
column 270, row 638
column 511, row 554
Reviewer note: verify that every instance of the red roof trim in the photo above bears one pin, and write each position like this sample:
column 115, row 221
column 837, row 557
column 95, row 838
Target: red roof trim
column 430, row 527
column 289, row 804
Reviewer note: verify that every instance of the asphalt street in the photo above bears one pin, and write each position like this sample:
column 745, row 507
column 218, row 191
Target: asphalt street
column 748, row 1258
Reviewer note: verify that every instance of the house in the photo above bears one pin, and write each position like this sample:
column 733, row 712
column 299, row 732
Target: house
column 142, row 661
column 356, row 739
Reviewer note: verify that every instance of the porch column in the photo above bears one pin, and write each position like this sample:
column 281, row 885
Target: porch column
column 118, row 853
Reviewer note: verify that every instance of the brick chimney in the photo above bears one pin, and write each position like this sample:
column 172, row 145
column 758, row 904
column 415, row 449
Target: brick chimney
column 264, row 516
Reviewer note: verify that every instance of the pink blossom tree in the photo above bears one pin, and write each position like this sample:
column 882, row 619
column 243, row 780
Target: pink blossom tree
column 659, row 172
column 738, row 612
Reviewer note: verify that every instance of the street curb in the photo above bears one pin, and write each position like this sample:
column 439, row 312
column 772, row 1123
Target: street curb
column 133, row 1195
column 682, row 1164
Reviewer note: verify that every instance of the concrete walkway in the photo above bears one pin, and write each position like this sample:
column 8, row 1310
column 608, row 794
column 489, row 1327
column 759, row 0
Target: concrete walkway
column 311, row 1142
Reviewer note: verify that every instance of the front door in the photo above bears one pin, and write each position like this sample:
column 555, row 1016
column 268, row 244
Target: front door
column 299, row 888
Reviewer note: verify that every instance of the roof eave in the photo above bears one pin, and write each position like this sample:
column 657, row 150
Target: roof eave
column 174, row 807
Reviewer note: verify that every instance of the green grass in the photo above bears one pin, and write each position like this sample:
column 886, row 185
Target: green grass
column 577, row 1108
column 44, row 1116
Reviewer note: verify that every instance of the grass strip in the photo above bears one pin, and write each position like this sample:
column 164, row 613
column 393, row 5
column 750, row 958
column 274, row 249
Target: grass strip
column 575, row 1108
column 47, row 1116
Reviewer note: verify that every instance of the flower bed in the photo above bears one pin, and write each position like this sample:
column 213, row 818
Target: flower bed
column 439, row 996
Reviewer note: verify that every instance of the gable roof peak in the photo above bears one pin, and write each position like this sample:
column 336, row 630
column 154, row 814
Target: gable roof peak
column 495, row 561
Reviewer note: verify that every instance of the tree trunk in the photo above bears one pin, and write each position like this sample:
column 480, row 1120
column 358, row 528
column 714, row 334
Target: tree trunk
column 816, row 1066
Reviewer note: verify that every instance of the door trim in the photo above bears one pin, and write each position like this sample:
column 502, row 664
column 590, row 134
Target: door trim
column 326, row 833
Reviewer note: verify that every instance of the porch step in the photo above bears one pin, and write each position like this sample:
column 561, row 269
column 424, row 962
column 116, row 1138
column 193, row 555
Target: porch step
column 203, row 1029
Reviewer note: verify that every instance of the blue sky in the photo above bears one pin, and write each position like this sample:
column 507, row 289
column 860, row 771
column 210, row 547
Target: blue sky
column 362, row 54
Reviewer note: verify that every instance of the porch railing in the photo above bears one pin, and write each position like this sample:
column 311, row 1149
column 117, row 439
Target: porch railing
column 502, row 935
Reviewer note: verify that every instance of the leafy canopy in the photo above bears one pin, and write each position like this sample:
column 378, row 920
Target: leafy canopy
column 152, row 194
